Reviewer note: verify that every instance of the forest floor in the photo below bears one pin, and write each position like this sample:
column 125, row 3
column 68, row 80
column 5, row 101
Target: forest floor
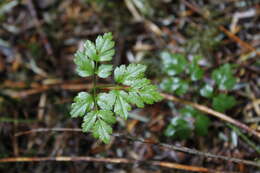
column 38, row 40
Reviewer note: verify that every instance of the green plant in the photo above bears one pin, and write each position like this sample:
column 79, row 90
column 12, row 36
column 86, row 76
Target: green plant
column 187, row 77
column 97, row 108
column 189, row 119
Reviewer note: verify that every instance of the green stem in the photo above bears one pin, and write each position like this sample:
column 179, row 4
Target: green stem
column 95, row 86
column 112, row 87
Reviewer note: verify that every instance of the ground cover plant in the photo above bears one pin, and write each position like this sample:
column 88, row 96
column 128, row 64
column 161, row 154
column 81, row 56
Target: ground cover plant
column 99, row 109
column 183, row 76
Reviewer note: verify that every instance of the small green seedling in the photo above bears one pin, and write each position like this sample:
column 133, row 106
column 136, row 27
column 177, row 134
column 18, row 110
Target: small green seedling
column 182, row 77
column 99, row 109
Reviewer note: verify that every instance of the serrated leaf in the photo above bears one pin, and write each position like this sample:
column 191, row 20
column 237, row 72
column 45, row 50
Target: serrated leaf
column 107, row 116
column 104, row 70
column 121, row 105
column 119, row 73
column 83, row 102
column 173, row 63
column 206, row 91
column 134, row 71
column 89, row 121
column 90, row 50
column 126, row 75
column 224, row 78
column 85, row 66
column 149, row 94
column 140, row 83
column 142, row 91
column 106, row 101
column 201, row 124
column 102, row 130
column 98, row 122
column 223, row 102
column 105, row 47
column 135, row 99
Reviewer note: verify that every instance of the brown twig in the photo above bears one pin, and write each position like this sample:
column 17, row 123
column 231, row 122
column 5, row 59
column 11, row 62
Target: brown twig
column 44, row 88
column 106, row 160
column 212, row 112
column 238, row 40
column 134, row 139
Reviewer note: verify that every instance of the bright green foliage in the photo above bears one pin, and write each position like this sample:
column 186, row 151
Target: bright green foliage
column 102, row 130
column 173, row 64
column 135, row 99
column 148, row 94
column 182, row 126
column 126, row 75
column 83, row 103
column 99, row 121
column 121, row 105
column 104, row 70
column 140, row 89
column 106, row 101
column 105, row 47
column 89, row 121
column 222, row 102
column 85, row 66
column 99, row 109
column 184, row 76
column 224, row 78
column 90, row 50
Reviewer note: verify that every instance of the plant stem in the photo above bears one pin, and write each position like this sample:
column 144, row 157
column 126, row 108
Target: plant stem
column 112, row 87
column 95, row 86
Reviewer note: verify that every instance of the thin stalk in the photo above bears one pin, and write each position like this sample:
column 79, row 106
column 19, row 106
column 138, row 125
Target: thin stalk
column 95, row 86
column 112, row 87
